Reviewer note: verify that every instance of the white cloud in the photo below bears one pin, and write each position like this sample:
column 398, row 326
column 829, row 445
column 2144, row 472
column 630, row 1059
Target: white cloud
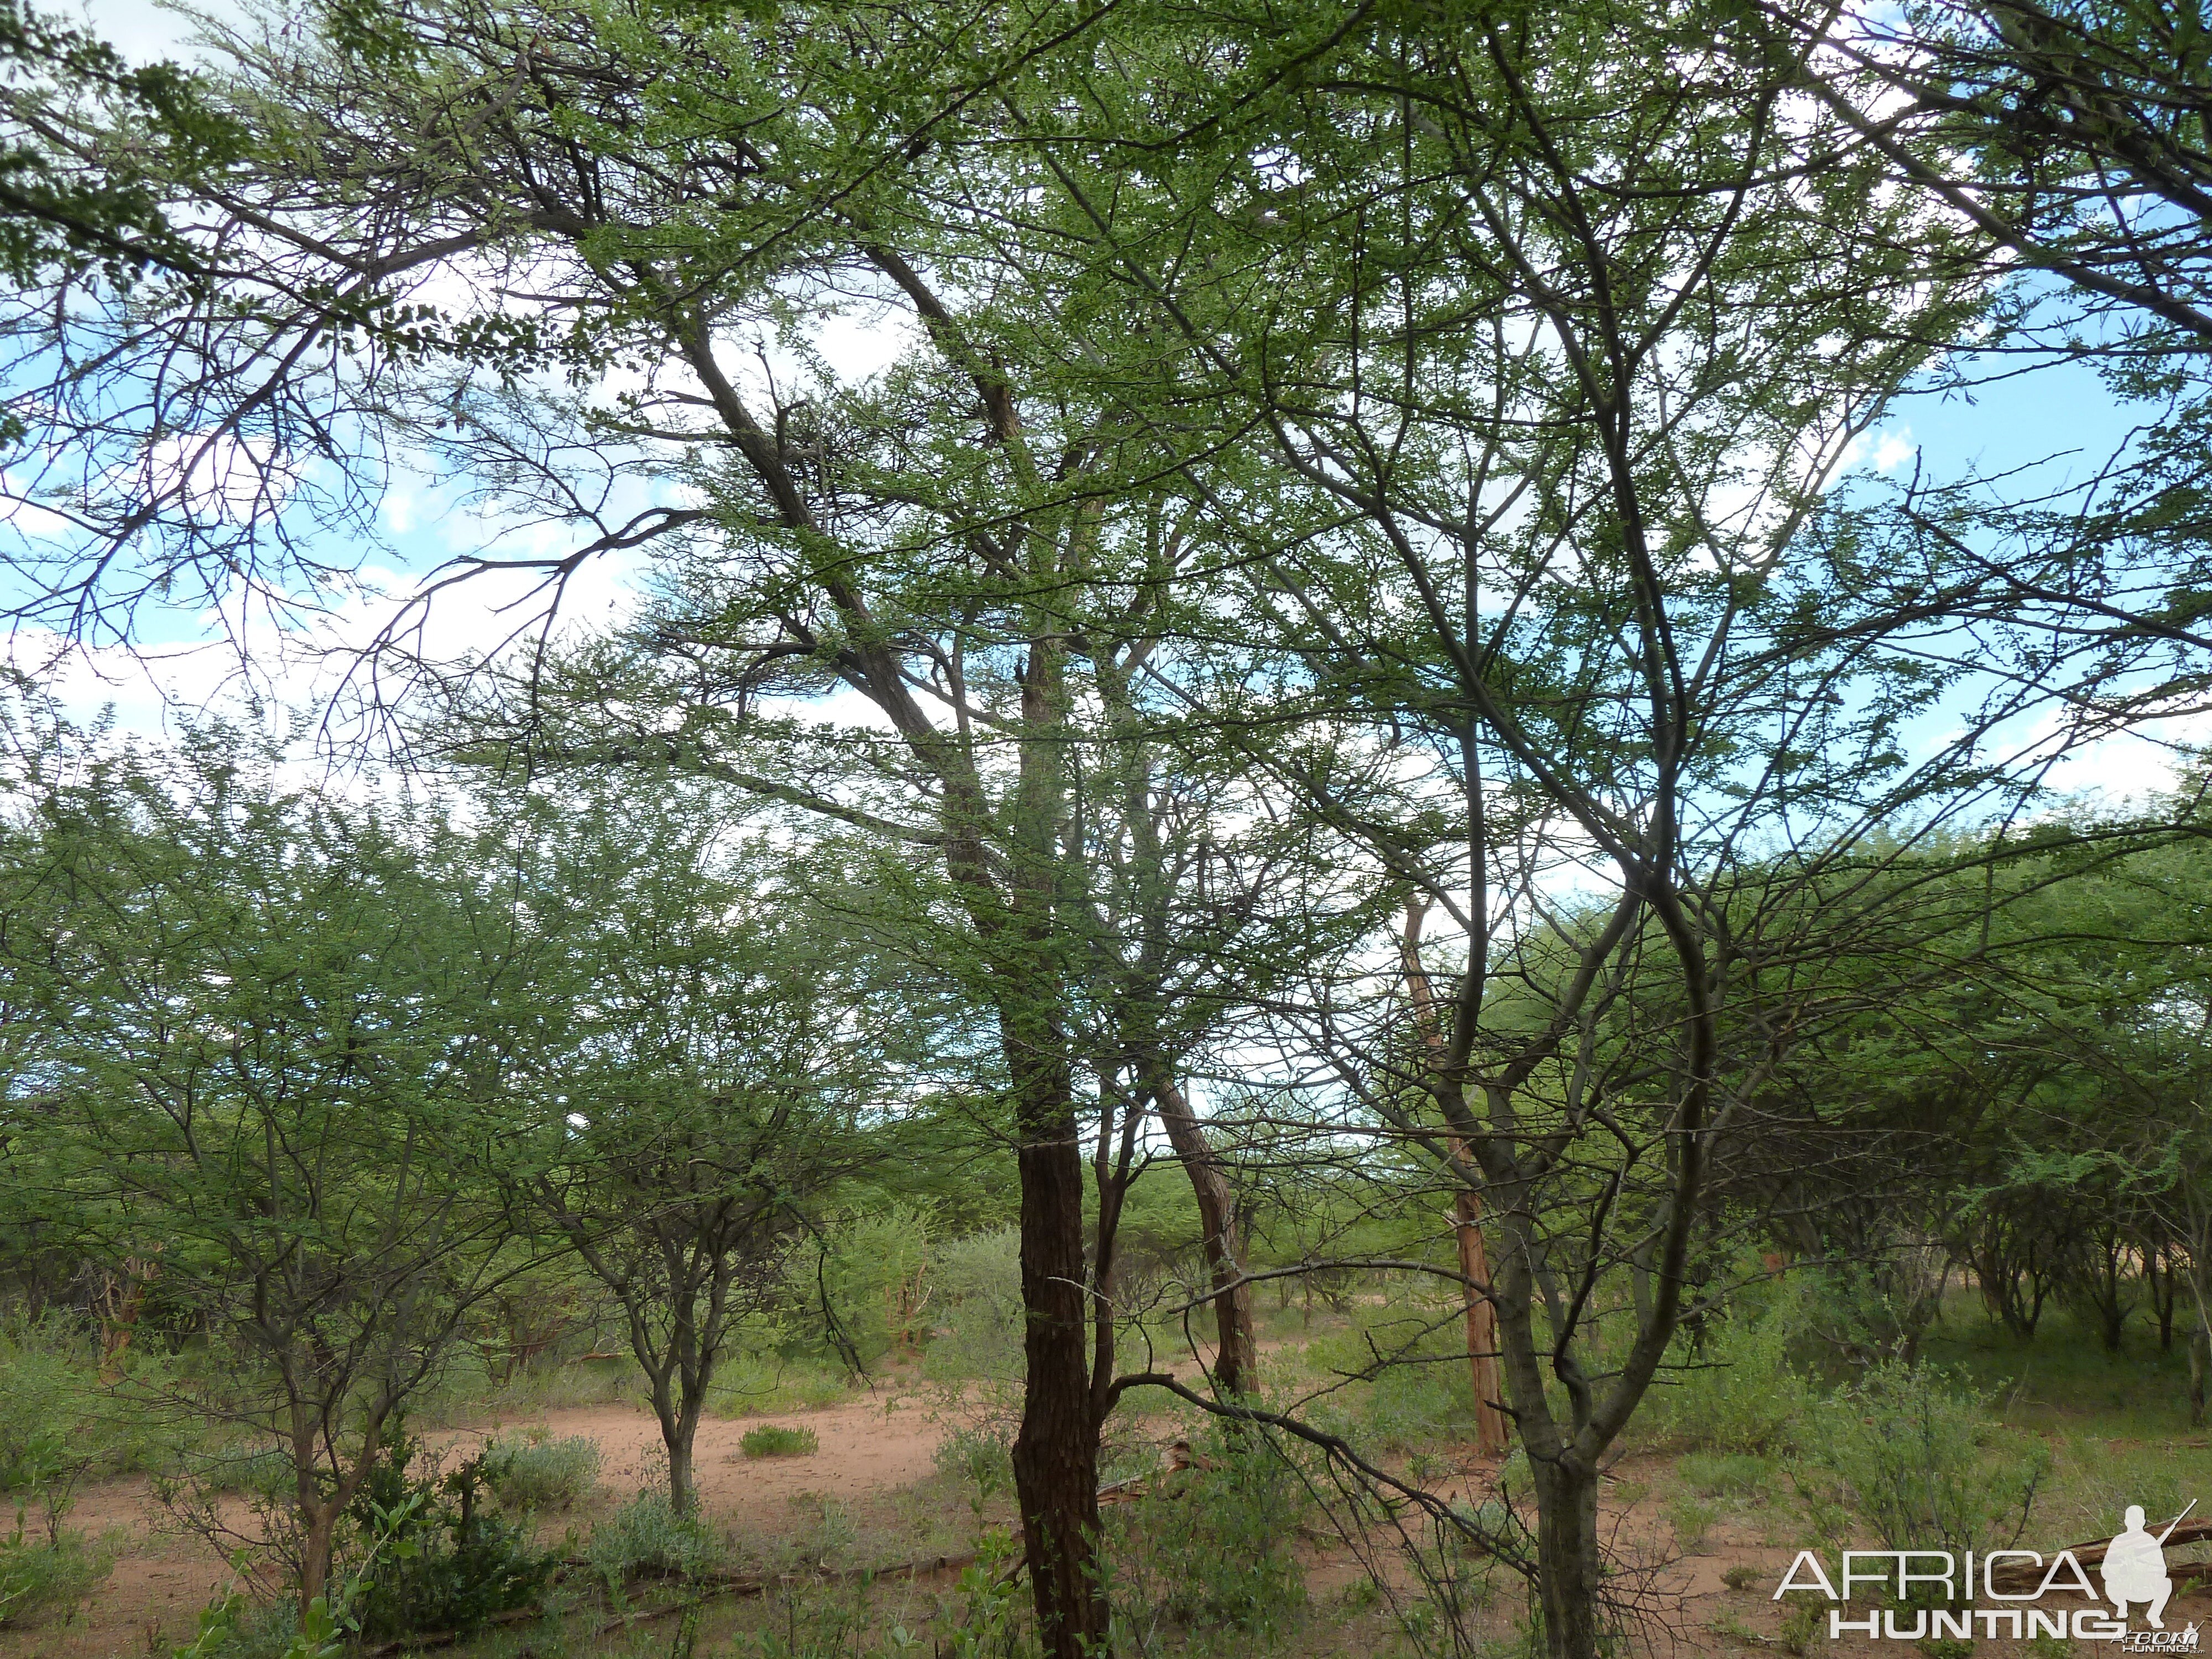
column 1893, row 449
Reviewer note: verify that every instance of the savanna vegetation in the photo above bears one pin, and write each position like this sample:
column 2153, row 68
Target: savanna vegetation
column 1102, row 828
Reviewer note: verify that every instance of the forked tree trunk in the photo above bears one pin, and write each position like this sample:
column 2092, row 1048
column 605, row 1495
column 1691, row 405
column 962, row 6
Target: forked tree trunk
column 1570, row 1568
column 1236, row 1348
column 679, row 1378
column 679, row 1432
column 319, row 1512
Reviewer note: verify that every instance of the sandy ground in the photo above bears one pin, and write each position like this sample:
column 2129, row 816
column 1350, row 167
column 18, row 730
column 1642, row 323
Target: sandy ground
column 872, row 1452
column 151, row 1602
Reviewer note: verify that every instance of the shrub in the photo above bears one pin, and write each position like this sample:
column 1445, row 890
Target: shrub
column 1210, row 1547
column 981, row 1457
column 42, row 1576
column 646, row 1539
column 750, row 1382
column 463, row 1571
column 257, row 1470
column 773, row 1440
column 1690, row 1521
column 238, row 1628
column 538, row 1474
column 1421, row 1402
column 1739, row 1394
column 434, row 1560
column 1917, row 1457
column 978, row 1308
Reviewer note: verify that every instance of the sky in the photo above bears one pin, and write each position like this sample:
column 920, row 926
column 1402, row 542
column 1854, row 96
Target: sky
column 2001, row 427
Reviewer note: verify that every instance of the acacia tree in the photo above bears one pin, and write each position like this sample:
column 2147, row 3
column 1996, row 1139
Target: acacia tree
column 882, row 600
column 1506, row 356
column 2066, row 141
column 268, row 1047
column 722, row 1056
column 1559, row 328
column 2070, row 136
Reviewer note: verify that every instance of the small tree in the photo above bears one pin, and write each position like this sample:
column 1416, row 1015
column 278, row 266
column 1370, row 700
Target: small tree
column 262, row 1049
column 712, row 1086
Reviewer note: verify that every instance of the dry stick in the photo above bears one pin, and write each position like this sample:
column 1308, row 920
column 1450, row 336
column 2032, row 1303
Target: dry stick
column 1438, row 1509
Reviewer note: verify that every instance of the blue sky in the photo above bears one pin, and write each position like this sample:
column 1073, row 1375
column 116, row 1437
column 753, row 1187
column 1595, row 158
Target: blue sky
column 2032, row 418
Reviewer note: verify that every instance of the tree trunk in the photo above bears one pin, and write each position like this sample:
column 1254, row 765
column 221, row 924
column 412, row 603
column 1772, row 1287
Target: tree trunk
column 319, row 1513
column 1570, row 1572
column 2159, row 1272
column 316, row 1541
column 1056, row 1450
column 1493, row 1431
column 679, row 1424
column 2200, row 1349
column 683, row 1492
column 1570, row 1569
column 1236, row 1348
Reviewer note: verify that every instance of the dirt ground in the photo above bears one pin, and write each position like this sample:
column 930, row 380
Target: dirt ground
column 163, row 1577
column 873, row 1454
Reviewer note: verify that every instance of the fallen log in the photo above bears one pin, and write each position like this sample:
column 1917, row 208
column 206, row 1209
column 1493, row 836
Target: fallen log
column 2014, row 1577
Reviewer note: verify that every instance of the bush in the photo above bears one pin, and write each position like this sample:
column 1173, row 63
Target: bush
column 979, row 1309
column 647, row 1539
column 981, row 1456
column 1423, row 1399
column 773, row 1440
column 260, row 1470
column 1740, row 1394
column 538, row 1474
column 746, row 1384
column 1917, row 1457
column 445, row 1564
column 40, row 1577
column 862, row 1289
column 1690, row 1521
column 42, row 1419
column 1210, row 1547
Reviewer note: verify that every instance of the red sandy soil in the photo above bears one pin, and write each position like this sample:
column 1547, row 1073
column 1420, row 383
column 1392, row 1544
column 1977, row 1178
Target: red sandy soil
column 151, row 1602
column 872, row 1451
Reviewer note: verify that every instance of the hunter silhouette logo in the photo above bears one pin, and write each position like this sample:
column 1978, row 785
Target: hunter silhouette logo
column 2132, row 1566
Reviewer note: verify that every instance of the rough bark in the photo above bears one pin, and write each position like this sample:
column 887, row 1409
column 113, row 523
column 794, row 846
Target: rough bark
column 683, row 1496
column 1571, row 1571
column 679, row 1431
column 1056, row 1450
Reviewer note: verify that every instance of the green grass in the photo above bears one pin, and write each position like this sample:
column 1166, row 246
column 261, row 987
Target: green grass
column 2116, row 1424
column 773, row 1440
column 751, row 1385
